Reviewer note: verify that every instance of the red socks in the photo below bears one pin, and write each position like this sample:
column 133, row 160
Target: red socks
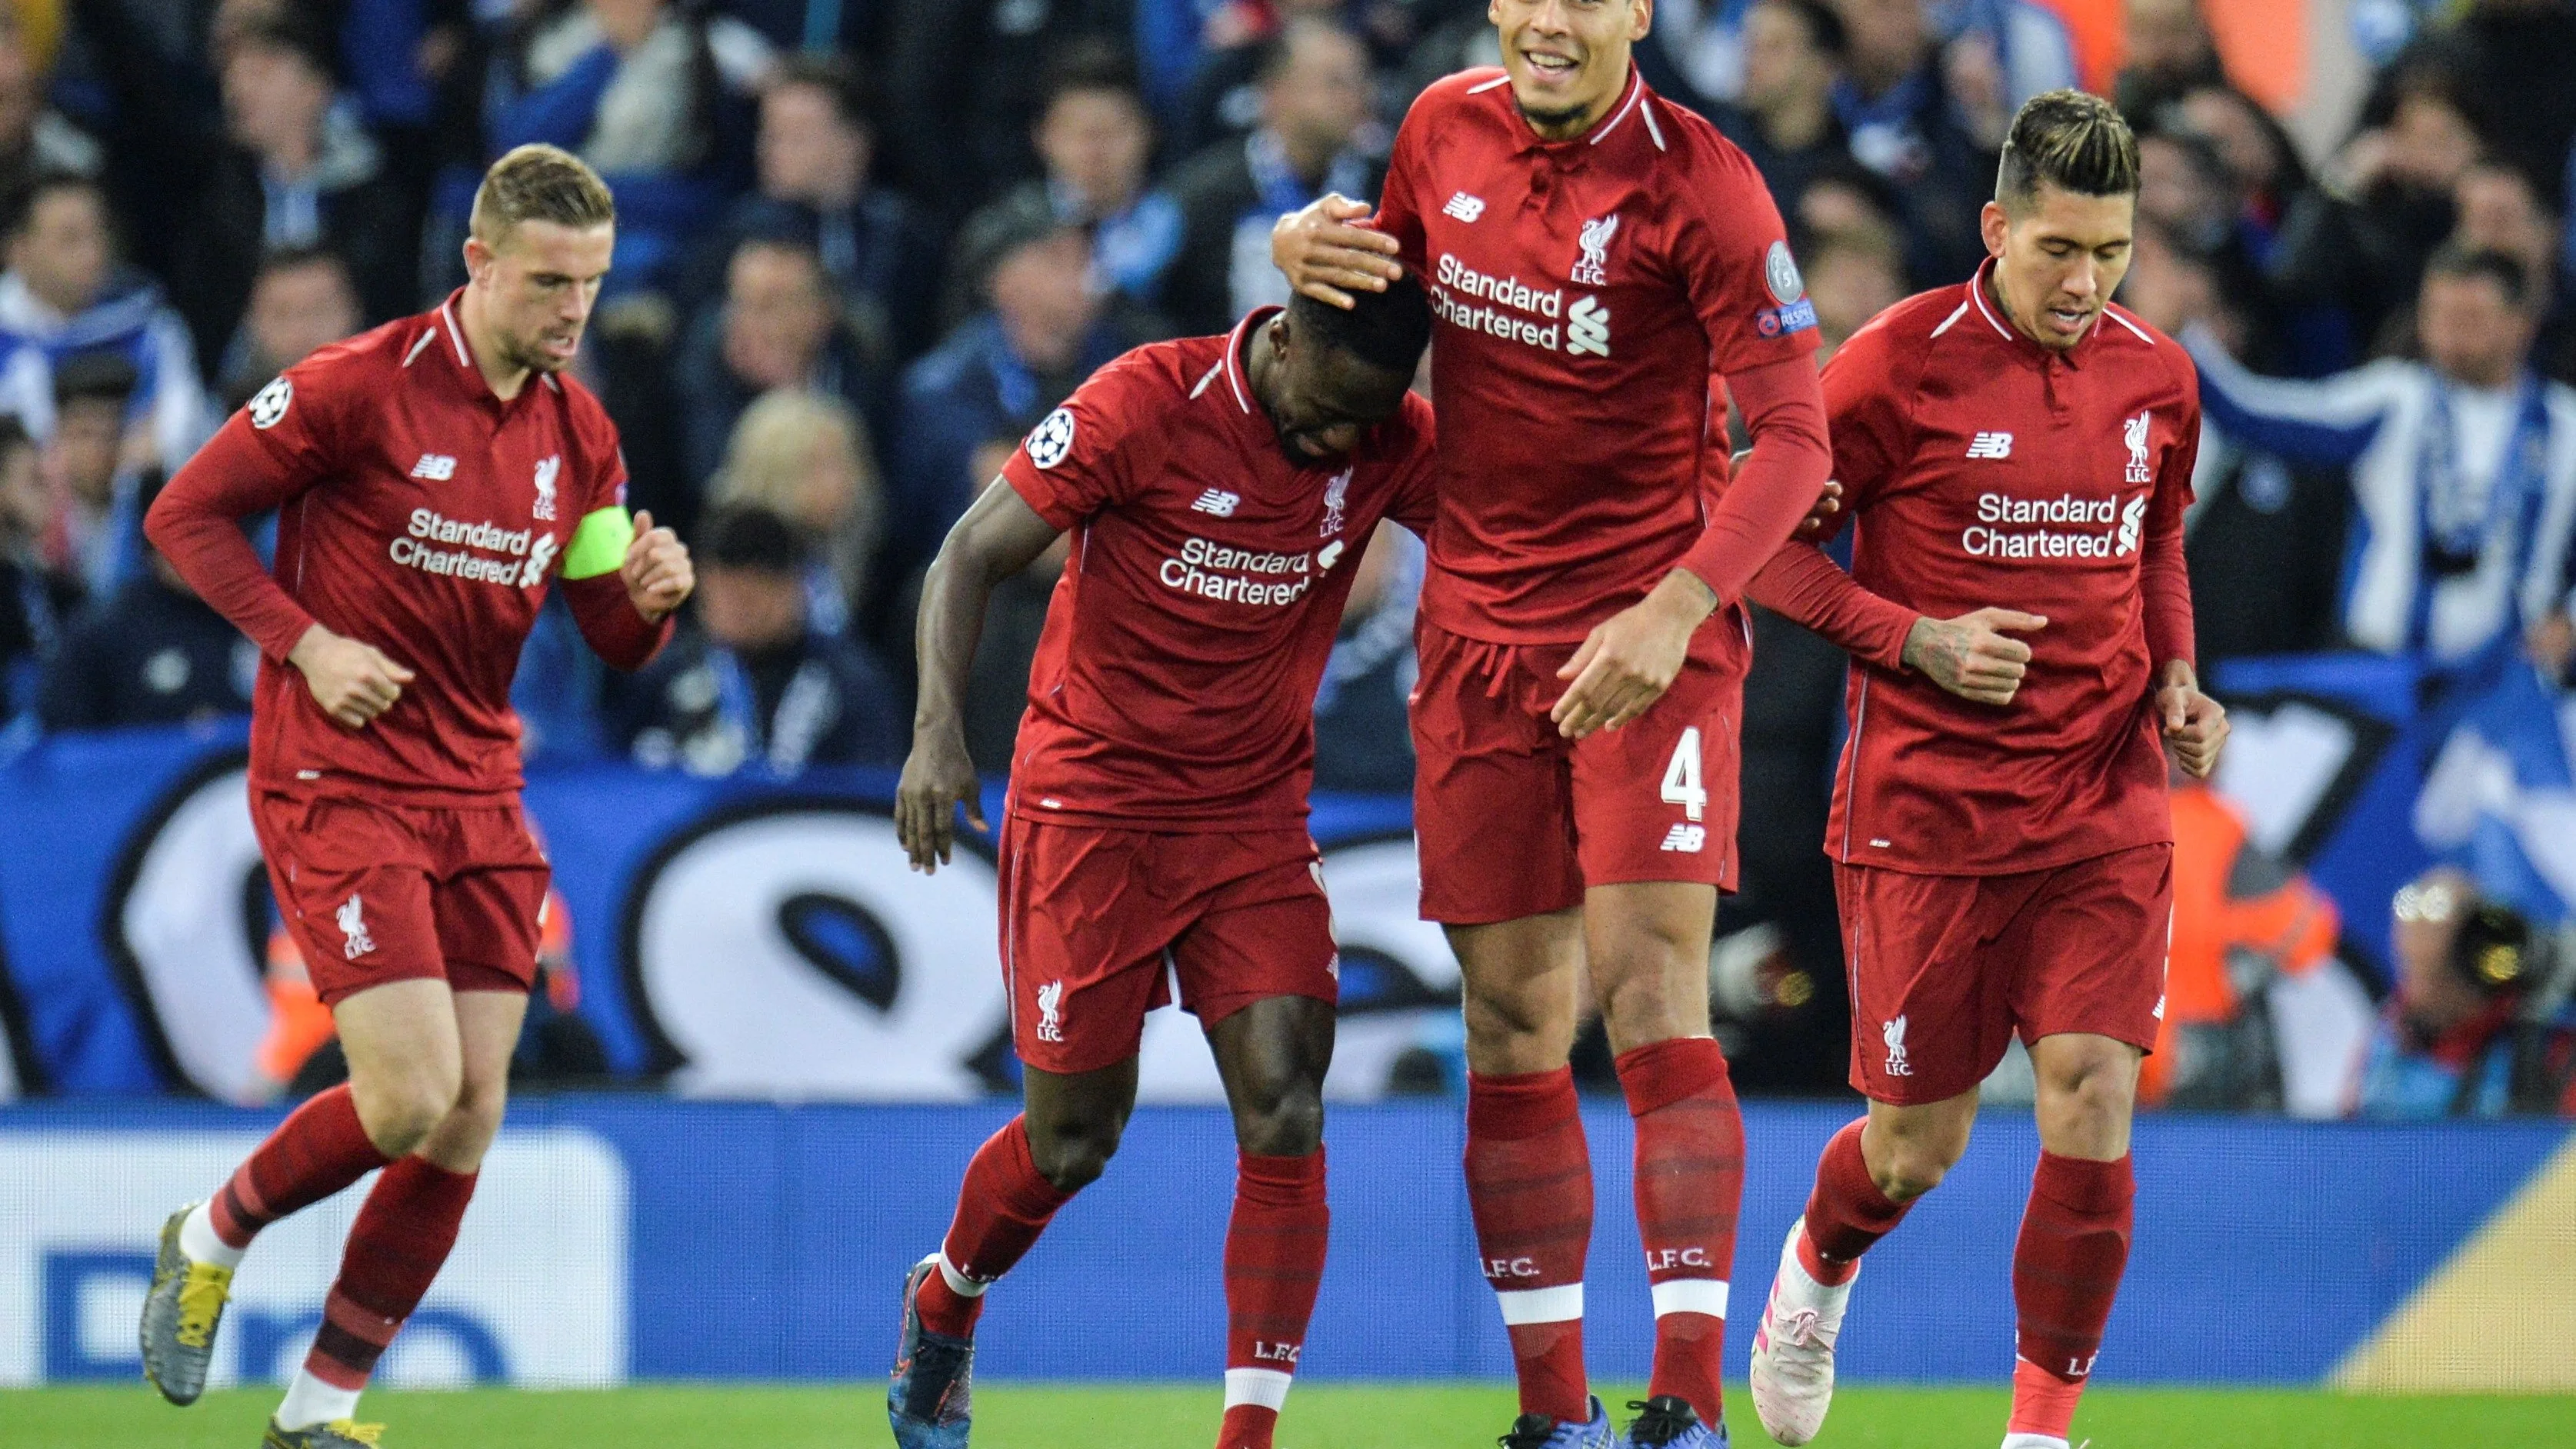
column 402, row 1236
column 1274, row 1262
column 1690, row 1179
column 314, row 1153
column 1529, row 1186
column 1002, row 1207
column 2066, row 1270
column 1846, row 1213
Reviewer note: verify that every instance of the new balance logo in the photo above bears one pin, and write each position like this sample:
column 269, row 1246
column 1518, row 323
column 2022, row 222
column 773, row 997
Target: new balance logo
column 353, row 924
column 1587, row 328
column 1464, row 207
column 1051, row 1012
column 1218, row 502
column 1990, row 445
column 1686, row 838
column 1894, row 1035
column 436, row 467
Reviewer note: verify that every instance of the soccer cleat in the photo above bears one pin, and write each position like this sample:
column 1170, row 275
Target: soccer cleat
column 1537, row 1431
column 1667, row 1422
column 1793, row 1348
column 180, row 1315
column 930, row 1402
column 338, row 1434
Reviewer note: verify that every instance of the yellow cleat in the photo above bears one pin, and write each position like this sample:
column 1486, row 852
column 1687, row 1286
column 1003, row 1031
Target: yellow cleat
column 338, row 1434
column 180, row 1316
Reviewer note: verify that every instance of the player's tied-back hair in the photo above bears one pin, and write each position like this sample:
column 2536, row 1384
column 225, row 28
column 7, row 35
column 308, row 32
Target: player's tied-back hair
column 2072, row 141
column 1385, row 329
column 538, row 182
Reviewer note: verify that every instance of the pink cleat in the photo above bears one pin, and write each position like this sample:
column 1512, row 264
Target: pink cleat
column 1793, row 1348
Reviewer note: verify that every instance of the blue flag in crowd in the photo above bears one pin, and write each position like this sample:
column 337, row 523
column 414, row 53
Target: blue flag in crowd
column 2500, row 799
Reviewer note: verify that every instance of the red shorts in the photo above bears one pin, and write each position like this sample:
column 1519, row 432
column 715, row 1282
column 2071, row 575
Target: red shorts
column 1945, row 968
column 1096, row 923
column 375, row 891
column 1514, row 819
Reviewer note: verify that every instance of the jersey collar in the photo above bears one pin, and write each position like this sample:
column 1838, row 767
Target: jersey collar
column 447, row 327
column 1635, row 111
column 1990, row 311
column 1238, row 381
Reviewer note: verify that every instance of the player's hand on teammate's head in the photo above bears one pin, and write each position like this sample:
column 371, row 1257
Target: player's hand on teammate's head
column 353, row 682
column 656, row 571
column 938, row 777
column 2195, row 725
column 1972, row 656
column 1325, row 255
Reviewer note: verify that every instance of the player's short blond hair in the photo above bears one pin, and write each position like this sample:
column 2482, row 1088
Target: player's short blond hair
column 539, row 183
column 2070, row 140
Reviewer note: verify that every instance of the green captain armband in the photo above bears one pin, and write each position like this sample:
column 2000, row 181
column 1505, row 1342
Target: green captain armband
column 599, row 543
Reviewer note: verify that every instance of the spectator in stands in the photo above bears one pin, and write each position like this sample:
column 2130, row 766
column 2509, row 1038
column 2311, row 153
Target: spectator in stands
column 292, row 171
column 300, row 303
column 2518, row 54
column 87, row 464
column 2259, row 155
column 1097, row 139
column 64, row 293
column 805, row 457
column 655, row 95
column 35, row 138
column 2500, row 209
column 2463, row 466
column 150, row 653
column 1852, row 275
column 1314, row 82
column 2458, row 1038
column 817, row 146
column 1784, row 115
column 2169, row 51
column 780, row 327
column 751, row 682
column 966, row 80
column 2363, row 256
column 2241, row 918
column 1904, row 122
column 35, row 599
column 1361, row 739
column 1043, row 331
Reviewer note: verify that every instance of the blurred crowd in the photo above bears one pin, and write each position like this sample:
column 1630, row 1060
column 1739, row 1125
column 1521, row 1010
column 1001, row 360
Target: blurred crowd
column 864, row 245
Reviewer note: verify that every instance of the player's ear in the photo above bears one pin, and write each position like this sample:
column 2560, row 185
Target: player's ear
column 1992, row 223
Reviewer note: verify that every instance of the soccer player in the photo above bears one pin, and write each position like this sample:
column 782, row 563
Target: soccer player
column 1597, row 259
column 1219, row 491
column 2001, row 831
column 433, row 477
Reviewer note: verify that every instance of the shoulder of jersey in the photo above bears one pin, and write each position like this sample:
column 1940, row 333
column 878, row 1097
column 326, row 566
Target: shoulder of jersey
column 376, row 349
column 1907, row 328
column 1458, row 88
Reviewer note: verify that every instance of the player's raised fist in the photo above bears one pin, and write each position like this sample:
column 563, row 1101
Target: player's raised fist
column 2195, row 725
column 1973, row 656
column 656, row 570
column 352, row 682
column 1325, row 255
column 938, row 777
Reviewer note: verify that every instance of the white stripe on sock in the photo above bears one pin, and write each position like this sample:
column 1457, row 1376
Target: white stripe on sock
column 1261, row 1388
column 959, row 1283
column 1692, row 1295
column 1540, row 1305
column 2032, row 1441
column 309, row 1401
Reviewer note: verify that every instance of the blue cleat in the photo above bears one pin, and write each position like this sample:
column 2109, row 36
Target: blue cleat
column 1667, row 1422
column 930, row 1401
column 1537, row 1431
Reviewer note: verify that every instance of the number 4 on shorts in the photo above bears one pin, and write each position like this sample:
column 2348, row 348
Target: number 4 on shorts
column 1681, row 777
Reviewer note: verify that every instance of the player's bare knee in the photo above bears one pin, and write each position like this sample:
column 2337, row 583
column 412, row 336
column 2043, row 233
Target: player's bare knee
column 399, row 1115
column 1286, row 1122
column 1913, row 1168
column 1512, row 1029
column 2085, row 1104
column 1072, row 1154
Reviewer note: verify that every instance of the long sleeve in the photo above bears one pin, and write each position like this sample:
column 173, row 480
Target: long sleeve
column 2164, row 578
column 607, row 618
column 196, row 522
column 1803, row 586
column 1784, row 407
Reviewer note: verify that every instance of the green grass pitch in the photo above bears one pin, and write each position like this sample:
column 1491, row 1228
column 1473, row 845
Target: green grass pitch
column 1320, row 1416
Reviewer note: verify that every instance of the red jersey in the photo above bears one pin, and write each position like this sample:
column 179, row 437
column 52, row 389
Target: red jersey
column 1984, row 470
column 1174, row 684
column 1586, row 291
column 420, row 514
